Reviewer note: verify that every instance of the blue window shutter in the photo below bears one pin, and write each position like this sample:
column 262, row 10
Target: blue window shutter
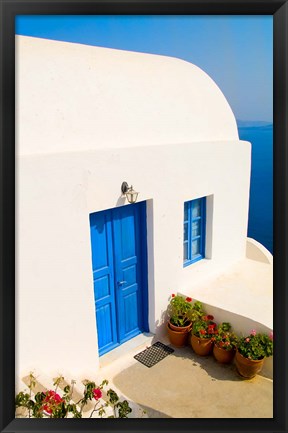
column 194, row 231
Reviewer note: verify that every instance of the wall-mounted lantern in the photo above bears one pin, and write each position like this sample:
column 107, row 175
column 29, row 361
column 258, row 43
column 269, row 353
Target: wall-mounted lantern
column 129, row 192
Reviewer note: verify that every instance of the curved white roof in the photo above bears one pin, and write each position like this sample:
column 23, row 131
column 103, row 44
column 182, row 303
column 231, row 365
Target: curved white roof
column 74, row 97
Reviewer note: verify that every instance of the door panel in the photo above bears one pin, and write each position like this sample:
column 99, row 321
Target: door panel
column 119, row 263
column 127, row 271
column 103, row 276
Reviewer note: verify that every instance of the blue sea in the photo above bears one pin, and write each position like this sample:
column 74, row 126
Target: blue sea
column 260, row 225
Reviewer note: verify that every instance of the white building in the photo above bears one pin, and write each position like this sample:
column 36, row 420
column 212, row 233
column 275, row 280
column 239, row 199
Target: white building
column 87, row 119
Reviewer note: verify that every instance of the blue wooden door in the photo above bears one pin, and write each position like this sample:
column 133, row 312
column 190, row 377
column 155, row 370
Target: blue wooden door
column 119, row 262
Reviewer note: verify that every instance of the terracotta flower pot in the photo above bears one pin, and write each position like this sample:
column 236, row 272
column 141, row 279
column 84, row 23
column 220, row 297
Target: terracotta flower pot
column 178, row 335
column 201, row 346
column 248, row 367
column 180, row 328
column 222, row 355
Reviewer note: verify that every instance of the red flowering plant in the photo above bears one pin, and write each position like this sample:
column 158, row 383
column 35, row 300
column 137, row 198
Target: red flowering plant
column 256, row 346
column 182, row 311
column 205, row 327
column 225, row 338
column 50, row 404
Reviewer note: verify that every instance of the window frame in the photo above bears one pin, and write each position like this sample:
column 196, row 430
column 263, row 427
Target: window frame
column 189, row 221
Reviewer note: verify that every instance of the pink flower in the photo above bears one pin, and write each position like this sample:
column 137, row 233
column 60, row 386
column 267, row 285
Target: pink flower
column 97, row 393
column 271, row 335
column 253, row 332
column 247, row 340
column 188, row 299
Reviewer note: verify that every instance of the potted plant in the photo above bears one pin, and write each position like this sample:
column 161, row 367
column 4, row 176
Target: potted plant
column 225, row 343
column 203, row 330
column 181, row 312
column 251, row 352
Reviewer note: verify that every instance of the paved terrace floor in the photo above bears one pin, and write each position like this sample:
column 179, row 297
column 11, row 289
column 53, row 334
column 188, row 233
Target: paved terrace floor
column 184, row 385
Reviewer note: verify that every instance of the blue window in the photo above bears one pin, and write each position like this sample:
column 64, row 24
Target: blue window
column 194, row 230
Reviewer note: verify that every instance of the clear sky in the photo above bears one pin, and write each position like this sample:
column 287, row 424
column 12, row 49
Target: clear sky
column 236, row 51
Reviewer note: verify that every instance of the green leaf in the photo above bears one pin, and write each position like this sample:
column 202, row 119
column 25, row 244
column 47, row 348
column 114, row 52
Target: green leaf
column 39, row 397
column 21, row 399
column 113, row 397
column 123, row 409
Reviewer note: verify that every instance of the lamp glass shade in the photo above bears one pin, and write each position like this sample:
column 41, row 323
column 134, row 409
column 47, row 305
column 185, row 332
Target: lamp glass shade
column 131, row 196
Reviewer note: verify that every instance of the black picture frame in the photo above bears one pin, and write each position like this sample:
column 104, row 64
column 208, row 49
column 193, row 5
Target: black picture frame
column 11, row 8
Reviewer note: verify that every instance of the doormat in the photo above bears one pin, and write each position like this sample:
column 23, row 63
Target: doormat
column 153, row 354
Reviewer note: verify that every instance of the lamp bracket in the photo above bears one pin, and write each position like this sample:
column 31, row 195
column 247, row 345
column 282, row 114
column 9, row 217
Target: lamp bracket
column 124, row 187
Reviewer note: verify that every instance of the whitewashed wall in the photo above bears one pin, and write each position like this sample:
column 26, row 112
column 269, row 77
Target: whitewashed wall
column 56, row 193
column 74, row 149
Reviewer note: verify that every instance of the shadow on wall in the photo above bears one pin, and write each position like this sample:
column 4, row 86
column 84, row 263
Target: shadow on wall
column 242, row 326
column 121, row 201
column 161, row 326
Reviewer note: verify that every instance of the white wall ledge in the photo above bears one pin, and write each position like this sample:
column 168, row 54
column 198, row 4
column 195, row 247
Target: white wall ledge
column 257, row 251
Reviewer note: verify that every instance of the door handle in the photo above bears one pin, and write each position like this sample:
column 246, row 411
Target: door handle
column 120, row 283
